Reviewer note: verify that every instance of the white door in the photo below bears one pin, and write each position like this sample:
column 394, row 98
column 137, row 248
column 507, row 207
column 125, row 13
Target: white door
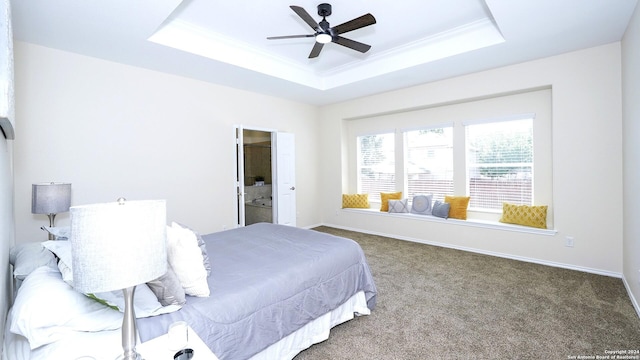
column 285, row 179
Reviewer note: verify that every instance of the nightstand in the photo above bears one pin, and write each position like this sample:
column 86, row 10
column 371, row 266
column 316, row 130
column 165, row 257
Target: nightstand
column 156, row 349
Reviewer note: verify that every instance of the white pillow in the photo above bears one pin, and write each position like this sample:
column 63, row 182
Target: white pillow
column 145, row 302
column 186, row 260
column 62, row 249
column 203, row 248
column 46, row 309
column 27, row 257
column 59, row 232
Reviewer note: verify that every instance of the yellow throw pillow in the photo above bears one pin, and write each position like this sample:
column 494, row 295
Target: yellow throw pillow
column 459, row 205
column 534, row 216
column 359, row 201
column 389, row 196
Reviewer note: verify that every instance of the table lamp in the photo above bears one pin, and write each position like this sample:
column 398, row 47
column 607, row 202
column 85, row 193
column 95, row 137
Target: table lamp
column 51, row 199
column 116, row 246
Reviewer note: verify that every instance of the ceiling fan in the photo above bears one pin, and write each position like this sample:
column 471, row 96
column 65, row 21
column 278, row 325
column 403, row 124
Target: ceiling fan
column 325, row 34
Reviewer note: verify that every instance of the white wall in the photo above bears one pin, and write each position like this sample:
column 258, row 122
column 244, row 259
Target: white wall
column 114, row 130
column 6, row 173
column 631, row 127
column 587, row 159
column 6, row 226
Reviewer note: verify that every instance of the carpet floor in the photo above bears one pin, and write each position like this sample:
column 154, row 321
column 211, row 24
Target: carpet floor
column 439, row 303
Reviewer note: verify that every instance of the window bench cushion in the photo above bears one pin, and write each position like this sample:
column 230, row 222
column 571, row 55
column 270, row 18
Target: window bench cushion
column 478, row 223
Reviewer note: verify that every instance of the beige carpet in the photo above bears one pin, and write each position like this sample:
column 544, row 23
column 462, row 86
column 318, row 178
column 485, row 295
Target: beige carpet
column 438, row 303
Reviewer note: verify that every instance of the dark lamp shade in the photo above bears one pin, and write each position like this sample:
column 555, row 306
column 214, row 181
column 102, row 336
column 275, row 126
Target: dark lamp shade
column 50, row 198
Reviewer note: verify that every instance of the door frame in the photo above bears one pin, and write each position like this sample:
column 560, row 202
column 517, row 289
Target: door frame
column 239, row 183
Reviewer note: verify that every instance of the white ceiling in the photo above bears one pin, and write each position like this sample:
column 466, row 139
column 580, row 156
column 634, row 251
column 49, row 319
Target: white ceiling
column 413, row 41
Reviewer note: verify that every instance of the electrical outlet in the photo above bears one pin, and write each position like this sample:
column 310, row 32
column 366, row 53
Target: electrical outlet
column 568, row 241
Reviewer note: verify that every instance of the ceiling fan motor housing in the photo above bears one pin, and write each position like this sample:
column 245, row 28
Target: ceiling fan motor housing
column 324, row 9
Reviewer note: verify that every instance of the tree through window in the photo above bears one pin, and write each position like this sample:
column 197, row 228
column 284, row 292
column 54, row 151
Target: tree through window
column 500, row 163
column 376, row 165
column 429, row 162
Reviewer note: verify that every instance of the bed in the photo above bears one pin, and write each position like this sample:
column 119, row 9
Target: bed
column 274, row 291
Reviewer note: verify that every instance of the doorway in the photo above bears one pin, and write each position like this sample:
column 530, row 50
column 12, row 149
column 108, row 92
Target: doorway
column 265, row 181
column 258, row 184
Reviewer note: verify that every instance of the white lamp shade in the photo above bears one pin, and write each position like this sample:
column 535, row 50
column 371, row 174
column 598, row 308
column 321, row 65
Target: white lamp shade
column 118, row 245
column 50, row 198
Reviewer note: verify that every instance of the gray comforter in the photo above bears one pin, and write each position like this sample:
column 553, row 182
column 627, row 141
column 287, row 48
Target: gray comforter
column 268, row 281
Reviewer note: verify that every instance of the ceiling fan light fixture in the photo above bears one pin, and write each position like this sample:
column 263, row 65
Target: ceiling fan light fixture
column 323, row 38
column 324, row 33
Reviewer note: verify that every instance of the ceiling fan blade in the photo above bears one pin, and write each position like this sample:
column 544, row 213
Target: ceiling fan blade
column 316, row 50
column 352, row 44
column 305, row 16
column 357, row 23
column 289, row 37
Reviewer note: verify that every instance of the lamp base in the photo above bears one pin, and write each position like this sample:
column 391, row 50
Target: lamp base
column 52, row 219
column 129, row 330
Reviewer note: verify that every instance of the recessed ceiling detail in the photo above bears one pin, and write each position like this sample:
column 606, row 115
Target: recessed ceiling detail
column 184, row 36
column 224, row 42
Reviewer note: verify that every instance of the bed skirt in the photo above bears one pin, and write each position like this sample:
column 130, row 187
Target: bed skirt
column 108, row 343
column 316, row 331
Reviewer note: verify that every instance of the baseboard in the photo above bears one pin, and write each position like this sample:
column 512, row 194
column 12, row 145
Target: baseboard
column 631, row 297
column 314, row 226
column 491, row 253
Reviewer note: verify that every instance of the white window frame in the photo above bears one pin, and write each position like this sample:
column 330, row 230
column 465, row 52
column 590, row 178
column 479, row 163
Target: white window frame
column 375, row 197
column 404, row 133
column 518, row 117
column 499, row 108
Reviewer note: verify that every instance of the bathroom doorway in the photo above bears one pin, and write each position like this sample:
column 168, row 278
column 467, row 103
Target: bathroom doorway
column 258, row 183
column 265, row 181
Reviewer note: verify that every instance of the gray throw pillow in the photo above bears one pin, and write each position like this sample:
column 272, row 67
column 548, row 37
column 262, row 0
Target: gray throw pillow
column 421, row 204
column 399, row 206
column 168, row 289
column 441, row 209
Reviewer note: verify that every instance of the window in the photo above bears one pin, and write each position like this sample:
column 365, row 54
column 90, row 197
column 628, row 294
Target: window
column 376, row 165
column 429, row 162
column 500, row 163
column 494, row 150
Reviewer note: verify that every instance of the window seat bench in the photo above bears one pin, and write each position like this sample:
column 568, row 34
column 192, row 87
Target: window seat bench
column 469, row 222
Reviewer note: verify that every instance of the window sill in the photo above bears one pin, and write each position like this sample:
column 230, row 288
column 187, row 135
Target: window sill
column 469, row 222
